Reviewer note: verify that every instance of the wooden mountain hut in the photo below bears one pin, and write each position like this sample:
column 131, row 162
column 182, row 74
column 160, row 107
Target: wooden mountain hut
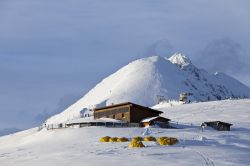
column 129, row 112
column 157, row 121
column 218, row 125
column 184, row 97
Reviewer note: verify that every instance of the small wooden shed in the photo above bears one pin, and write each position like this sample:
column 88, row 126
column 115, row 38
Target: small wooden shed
column 218, row 125
column 158, row 121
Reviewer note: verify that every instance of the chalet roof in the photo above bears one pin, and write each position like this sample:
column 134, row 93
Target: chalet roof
column 219, row 122
column 128, row 104
column 153, row 118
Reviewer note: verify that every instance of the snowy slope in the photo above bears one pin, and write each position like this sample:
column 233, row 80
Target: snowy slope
column 81, row 147
column 143, row 80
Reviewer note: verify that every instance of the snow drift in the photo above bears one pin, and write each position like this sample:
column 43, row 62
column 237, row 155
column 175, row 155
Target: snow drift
column 141, row 81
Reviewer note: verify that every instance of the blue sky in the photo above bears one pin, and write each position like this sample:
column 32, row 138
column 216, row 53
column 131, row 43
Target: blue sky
column 52, row 52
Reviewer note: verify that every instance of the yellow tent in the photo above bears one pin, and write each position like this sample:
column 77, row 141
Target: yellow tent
column 167, row 140
column 137, row 139
column 136, row 144
column 105, row 139
column 149, row 138
column 122, row 139
column 114, row 139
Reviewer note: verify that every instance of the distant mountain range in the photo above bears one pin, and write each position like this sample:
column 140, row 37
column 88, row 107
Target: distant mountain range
column 144, row 80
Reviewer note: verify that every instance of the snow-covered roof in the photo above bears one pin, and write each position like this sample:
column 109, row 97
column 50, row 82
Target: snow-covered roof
column 91, row 119
column 151, row 118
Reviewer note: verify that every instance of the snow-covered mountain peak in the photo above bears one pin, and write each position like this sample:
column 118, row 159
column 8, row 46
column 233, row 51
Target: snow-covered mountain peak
column 151, row 60
column 144, row 80
column 180, row 60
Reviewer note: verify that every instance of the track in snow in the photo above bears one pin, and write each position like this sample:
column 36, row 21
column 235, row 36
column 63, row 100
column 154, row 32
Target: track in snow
column 208, row 162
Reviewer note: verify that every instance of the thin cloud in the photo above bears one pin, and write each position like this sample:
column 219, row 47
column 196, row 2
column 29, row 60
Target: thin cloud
column 223, row 55
column 160, row 47
column 63, row 103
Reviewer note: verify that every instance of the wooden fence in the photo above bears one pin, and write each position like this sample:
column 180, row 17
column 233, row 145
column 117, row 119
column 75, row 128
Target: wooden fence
column 87, row 124
column 173, row 124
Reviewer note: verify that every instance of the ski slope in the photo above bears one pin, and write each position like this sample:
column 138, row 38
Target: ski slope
column 75, row 147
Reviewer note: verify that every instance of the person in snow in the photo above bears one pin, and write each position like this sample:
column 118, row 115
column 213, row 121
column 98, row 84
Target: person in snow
column 146, row 131
column 202, row 127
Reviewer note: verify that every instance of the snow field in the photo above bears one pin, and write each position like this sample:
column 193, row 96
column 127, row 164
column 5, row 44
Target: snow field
column 82, row 147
